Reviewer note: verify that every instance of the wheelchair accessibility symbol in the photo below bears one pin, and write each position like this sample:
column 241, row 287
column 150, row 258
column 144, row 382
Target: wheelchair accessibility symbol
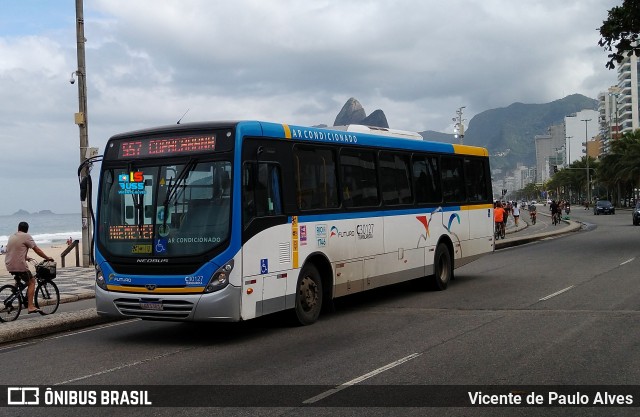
column 161, row 245
column 264, row 266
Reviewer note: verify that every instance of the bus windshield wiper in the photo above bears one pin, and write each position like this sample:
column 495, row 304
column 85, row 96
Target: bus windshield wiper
column 172, row 190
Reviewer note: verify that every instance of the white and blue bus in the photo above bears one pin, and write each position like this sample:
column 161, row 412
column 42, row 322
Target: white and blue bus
column 227, row 221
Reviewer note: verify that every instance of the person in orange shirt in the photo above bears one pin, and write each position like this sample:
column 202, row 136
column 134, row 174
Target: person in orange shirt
column 498, row 218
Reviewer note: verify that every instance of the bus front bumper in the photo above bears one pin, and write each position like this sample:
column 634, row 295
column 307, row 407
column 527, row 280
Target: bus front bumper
column 223, row 305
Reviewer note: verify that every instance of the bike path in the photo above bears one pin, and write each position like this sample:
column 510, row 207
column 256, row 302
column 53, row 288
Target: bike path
column 77, row 283
column 515, row 238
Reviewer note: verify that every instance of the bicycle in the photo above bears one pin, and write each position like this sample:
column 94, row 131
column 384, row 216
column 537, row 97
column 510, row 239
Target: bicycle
column 499, row 230
column 532, row 215
column 555, row 217
column 47, row 296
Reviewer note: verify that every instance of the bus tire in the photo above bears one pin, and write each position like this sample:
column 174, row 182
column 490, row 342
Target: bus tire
column 442, row 267
column 308, row 296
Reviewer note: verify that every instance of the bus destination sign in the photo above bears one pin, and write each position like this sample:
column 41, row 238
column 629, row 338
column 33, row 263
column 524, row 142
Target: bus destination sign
column 158, row 147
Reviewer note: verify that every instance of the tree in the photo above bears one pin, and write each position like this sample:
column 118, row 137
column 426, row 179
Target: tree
column 573, row 178
column 621, row 167
column 621, row 30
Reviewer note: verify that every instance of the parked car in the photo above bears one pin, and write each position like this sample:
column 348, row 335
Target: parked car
column 603, row 207
column 636, row 214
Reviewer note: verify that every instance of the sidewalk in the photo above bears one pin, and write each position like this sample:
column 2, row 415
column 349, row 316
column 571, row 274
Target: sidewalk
column 75, row 283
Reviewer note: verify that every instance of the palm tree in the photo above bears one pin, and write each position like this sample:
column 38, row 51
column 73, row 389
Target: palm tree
column 621, row 168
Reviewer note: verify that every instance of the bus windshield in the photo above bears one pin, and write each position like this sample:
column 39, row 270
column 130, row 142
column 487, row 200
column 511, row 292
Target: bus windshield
column 165, row 210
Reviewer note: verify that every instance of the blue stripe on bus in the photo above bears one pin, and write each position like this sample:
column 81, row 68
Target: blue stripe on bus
column 341, row 137
column 368, row 214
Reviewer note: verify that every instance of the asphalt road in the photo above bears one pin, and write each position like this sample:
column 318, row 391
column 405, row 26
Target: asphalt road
column 558, row 312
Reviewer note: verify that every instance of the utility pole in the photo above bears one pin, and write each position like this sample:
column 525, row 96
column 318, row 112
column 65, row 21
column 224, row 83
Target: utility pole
column 459, row 126
column 586, row 146
column 82, row 121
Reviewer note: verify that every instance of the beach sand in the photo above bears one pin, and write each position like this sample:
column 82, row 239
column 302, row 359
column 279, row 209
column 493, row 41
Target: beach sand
column 53, row 250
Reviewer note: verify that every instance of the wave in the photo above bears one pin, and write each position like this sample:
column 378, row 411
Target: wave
column 48, row 238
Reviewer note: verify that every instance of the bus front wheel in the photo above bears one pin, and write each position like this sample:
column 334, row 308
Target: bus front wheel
column 308, row 295
column 442, row 267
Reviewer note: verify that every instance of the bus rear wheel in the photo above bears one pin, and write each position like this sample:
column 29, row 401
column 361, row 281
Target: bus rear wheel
column 442, row 267
column 308, row 296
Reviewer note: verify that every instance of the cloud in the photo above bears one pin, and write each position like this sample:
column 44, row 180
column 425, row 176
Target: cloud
column 150, row 61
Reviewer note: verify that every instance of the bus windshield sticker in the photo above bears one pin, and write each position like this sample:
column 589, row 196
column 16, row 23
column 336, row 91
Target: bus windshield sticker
column 163, row 230
column 141, row 249
column 131, row 183
column 161, row 245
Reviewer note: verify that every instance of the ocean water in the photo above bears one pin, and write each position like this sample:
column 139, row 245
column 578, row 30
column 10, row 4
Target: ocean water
column 46, row 229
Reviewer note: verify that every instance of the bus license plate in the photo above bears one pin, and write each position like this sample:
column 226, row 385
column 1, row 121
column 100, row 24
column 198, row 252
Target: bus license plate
column 151, row 305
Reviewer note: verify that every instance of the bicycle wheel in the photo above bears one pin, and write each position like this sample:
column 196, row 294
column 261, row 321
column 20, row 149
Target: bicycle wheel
column 10, row 305
column 47, row 297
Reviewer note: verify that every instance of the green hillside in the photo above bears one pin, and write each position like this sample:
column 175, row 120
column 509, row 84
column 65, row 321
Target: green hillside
column 510, row 131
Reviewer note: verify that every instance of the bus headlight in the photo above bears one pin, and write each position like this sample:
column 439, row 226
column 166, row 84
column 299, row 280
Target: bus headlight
column 220, row 278
column 100, row 281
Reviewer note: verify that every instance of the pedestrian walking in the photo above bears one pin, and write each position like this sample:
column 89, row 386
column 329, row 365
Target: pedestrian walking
column 516, row 214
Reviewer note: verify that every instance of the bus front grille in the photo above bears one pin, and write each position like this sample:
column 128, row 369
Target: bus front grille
column 156, row 308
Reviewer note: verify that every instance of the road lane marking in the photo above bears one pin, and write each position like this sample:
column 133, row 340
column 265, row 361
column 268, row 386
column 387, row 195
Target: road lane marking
column 117, row 368
column 93, row 329
column 556, row 293
column 360, row 379
column 627, row 261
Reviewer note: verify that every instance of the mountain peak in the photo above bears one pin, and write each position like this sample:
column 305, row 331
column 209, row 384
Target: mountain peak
column 353, row 113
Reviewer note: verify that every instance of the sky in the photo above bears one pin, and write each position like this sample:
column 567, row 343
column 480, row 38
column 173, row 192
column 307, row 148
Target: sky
column 287, row 61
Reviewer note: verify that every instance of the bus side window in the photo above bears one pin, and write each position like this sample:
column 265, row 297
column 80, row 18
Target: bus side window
column 453, row 185
column 261, row 191
column 426, row 175
column 475, row 176
column 315, row 178
column 395, row 178
column 359, row 178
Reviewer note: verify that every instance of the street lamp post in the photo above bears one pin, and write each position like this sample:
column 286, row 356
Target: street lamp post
column 586, row 145
column 81, row 120
column 459, row 126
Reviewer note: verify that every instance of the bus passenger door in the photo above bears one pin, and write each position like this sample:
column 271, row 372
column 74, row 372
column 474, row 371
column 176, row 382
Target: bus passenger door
column 267, row 232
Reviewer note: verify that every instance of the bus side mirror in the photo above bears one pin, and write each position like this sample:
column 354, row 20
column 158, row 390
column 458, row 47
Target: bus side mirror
column 83, row 188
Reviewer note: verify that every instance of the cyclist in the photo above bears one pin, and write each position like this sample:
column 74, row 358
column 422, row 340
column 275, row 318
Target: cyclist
column 498, row 218
column 555, row 211
column 532, row 212
column 16, row 259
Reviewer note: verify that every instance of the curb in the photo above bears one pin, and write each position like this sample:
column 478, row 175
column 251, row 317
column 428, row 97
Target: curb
column 507, row 243
column 45, row 325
